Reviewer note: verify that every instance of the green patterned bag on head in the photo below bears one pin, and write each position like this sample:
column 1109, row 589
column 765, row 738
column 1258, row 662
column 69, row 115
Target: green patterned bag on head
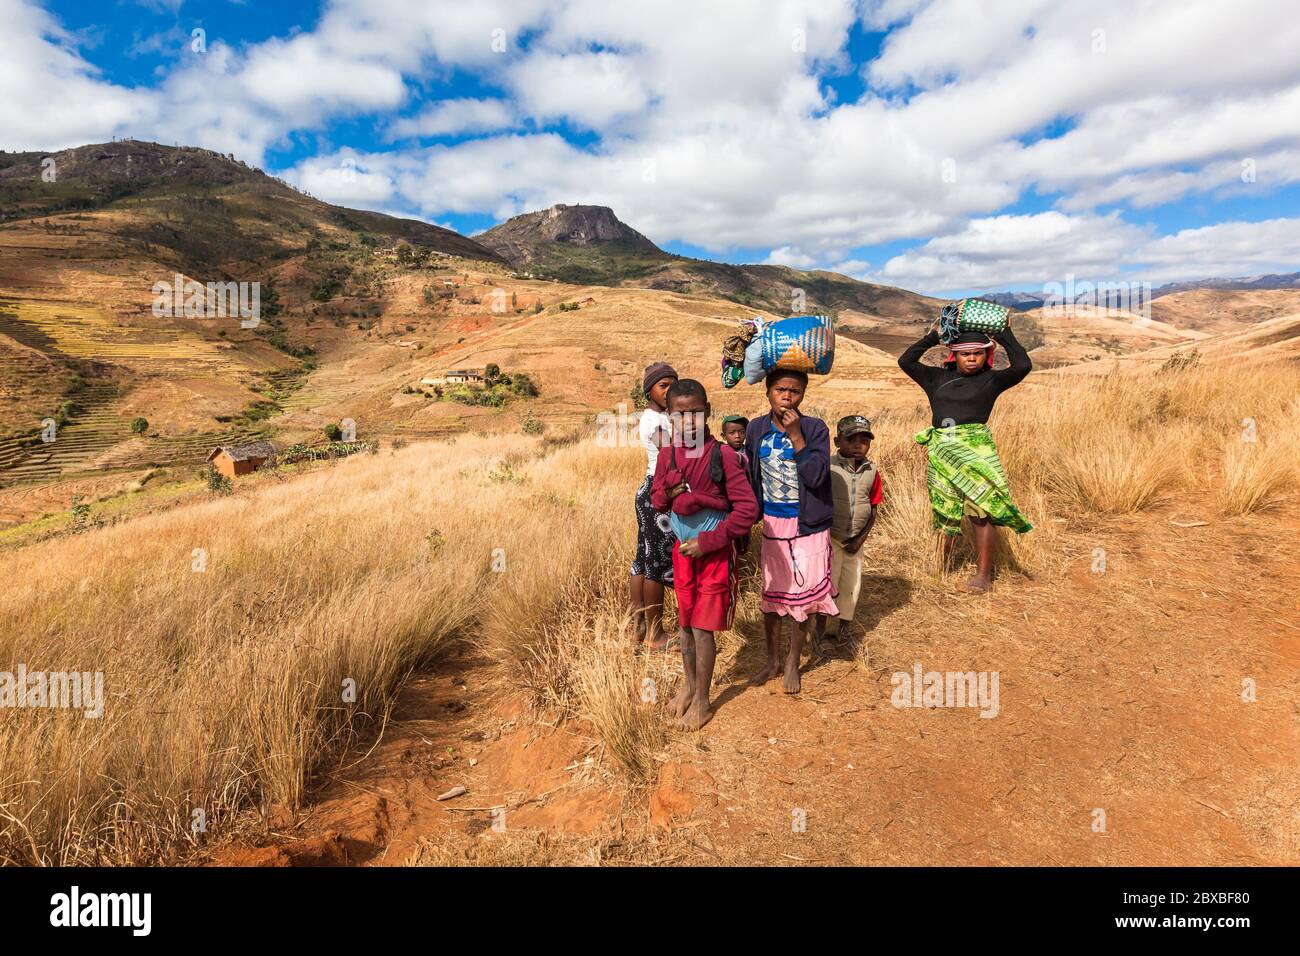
column 977, row 315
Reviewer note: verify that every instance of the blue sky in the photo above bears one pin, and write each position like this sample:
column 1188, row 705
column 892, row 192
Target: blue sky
column 938, row 145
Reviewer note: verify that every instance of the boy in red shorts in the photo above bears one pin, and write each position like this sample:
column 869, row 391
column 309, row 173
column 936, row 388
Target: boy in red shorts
column 710, row 501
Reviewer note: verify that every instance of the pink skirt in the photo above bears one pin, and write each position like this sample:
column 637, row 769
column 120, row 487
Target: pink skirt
column 796, row 570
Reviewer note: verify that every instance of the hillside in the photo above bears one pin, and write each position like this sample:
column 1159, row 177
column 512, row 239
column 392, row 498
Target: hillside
column 1223, row 310
column 358, row 308
column 189, row 187
column 559, row 236
column 85, row 344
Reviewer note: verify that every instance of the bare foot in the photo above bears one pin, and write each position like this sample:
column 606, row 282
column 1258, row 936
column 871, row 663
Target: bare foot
column 792, row 683
column 658, row 642
column 771, row 672
column 696, row 716
column 681, row 702
column 977, row 585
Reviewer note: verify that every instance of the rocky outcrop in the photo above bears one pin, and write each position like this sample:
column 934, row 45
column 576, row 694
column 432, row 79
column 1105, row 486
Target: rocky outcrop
column 525, row 238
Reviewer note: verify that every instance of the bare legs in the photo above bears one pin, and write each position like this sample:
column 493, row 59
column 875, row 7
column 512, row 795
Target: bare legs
column 772, row 632
column 691, row 705
column 646, row 605
column 776, row 666
column 984, row 536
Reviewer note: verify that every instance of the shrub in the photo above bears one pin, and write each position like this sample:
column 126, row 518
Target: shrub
column 1184, row 359
column 217, row 483
column 139, row 426
column 80, row 513
column 332, row 431
column 532, row 425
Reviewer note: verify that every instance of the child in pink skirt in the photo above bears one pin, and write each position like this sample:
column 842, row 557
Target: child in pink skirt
column 789, row 468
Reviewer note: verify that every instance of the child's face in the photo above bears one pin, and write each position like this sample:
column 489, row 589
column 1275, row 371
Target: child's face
column 855, row 446
column 689, row 414
column 659, row 392
column 785, row 392
column 733, row 434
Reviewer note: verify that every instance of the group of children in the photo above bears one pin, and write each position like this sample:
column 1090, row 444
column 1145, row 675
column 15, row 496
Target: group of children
column 695, row 511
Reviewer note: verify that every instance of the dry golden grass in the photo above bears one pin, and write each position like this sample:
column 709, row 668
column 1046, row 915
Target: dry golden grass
column 1258, row 474
column 540, row 848
column 224, row 688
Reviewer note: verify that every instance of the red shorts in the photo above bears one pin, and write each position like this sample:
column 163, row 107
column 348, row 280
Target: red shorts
column 705, row 589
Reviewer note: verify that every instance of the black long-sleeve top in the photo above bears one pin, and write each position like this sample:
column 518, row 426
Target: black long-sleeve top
column 957, row 399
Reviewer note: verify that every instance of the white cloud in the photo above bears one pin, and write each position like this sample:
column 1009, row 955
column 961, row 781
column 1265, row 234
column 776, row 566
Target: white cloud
column 1224, row 249
column 785, row 256
column 447, row 117
column 588, row 89
column 1046, row 247
column 707, row 123
column 346, row 181
column 1006, row 250
column 51, row 98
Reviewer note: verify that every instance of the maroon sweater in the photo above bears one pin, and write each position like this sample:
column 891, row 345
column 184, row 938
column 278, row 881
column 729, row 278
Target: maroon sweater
column 692, row 466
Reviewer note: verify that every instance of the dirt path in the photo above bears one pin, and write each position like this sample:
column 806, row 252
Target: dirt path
column 1119, row 693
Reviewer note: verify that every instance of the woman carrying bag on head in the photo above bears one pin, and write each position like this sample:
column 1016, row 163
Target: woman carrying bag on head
column 965, row 474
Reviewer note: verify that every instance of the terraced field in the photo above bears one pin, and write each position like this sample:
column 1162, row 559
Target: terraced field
column 97, row 436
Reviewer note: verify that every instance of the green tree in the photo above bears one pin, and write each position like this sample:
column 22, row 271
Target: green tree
column 140, row 426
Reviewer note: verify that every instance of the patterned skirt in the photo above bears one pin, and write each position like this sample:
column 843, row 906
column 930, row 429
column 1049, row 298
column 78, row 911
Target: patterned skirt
column 965, row 476
column 796, row 570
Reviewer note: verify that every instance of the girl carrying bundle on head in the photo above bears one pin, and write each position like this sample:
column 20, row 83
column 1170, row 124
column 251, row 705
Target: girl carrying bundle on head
column 789, row 468
column 965, row 475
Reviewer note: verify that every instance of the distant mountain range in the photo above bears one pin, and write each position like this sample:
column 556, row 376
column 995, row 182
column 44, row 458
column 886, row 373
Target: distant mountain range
column 1290, row 280
column 1025, row 301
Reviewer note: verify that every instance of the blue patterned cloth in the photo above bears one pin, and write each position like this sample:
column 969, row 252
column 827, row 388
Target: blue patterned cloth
column 805, row 343
column 780, row 475
column 689, row 527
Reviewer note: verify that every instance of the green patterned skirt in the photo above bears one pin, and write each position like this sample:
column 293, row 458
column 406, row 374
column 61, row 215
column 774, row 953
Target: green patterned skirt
column 965, row 476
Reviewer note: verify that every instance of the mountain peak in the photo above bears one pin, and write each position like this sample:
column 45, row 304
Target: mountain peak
column 529, row 237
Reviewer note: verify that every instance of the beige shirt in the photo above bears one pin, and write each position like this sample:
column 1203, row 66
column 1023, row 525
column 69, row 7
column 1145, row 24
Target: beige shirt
column 851, row 495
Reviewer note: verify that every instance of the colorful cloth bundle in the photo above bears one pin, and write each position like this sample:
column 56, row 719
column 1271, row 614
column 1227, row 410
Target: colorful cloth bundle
column 971, row 315
column 801, row 343
column 735, row 350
